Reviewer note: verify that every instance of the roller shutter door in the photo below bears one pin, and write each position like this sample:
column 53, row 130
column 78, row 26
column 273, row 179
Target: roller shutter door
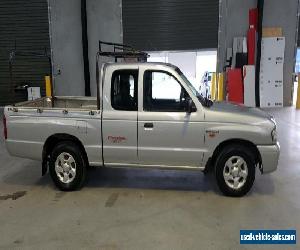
column 158, row 25
column 24, row 25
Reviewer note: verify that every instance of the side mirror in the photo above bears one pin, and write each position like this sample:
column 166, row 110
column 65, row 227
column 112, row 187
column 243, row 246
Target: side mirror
column 190, row 106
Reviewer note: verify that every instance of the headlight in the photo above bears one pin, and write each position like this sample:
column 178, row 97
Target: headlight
column 274, row 135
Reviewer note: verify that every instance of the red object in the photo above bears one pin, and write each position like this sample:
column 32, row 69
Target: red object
column 4, row 127
column 253, row 18
column 235, row 86
column 251, row 45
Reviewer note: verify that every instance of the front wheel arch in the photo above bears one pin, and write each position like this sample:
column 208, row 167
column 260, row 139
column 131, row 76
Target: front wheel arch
column 212, row 160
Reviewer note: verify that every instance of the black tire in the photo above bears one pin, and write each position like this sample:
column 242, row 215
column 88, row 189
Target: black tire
column 80, row 166
column 228, row 153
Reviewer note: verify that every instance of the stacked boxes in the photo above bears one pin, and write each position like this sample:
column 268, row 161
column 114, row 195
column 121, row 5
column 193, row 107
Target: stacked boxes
column 239, row 52
column 241, row 84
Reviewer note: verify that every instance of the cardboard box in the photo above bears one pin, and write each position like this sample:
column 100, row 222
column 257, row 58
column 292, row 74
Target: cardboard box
column 272, row 32
column 34, row 93
column 239, row 46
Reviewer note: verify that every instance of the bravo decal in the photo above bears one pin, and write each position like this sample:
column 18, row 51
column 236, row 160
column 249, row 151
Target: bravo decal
column 116, row 139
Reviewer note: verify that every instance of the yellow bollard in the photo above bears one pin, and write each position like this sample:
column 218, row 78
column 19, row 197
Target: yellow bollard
column 213, row 90
column 48, row 86
column 298, row 94
column 220, row 87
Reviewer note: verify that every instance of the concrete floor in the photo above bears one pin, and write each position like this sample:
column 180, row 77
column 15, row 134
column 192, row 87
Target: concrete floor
column 147, row 209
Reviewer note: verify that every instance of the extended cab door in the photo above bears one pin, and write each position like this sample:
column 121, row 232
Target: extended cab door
column 167, row 134
column 119, row 121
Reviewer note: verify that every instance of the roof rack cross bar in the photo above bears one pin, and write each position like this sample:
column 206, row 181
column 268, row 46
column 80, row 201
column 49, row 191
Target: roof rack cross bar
column 122, row 51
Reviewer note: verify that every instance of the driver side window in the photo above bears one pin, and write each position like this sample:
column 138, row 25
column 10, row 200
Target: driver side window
column 163, row 93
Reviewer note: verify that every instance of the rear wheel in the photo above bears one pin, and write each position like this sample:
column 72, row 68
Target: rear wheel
column 67, row 166
column 235, row 170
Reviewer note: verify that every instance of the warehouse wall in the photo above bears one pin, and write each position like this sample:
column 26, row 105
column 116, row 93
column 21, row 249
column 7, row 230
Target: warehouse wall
column 104, row 22
column 234, row 22
column 66, row 46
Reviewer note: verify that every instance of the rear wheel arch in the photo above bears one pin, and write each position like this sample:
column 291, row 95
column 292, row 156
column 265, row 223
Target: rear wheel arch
column 54, row 140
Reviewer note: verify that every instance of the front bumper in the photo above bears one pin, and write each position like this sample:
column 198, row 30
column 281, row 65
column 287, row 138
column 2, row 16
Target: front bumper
column 269, row 157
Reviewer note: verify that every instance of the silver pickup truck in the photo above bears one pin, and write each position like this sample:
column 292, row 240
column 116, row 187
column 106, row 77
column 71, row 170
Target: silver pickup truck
column 146, row 115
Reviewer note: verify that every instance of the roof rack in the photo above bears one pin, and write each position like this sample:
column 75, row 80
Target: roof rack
column 122, row 51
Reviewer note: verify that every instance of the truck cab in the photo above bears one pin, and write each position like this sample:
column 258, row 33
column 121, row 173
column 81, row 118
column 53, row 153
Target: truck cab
column 151, row 117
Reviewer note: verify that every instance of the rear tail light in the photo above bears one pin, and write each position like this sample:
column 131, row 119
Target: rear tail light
column 4, row 127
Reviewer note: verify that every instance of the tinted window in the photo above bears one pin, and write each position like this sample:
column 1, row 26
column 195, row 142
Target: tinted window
column 162, row 92
column 124, row 86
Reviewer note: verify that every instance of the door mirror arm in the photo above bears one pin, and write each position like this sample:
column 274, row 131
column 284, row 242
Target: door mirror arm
column 190, row 106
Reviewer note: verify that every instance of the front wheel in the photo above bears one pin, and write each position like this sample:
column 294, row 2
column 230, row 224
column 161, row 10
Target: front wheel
column 67, row 166
column 235, row 170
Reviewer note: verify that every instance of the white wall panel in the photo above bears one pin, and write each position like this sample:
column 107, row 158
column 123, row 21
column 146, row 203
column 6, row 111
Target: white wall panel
column 271, row 72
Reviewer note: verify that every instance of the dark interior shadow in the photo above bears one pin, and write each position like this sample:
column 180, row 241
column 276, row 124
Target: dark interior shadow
column 150, row 179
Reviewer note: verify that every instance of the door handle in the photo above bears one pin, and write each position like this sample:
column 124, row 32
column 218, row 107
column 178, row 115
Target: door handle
column 148, row 125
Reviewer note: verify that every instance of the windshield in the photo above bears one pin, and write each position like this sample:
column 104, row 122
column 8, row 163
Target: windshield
column 191, row 87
